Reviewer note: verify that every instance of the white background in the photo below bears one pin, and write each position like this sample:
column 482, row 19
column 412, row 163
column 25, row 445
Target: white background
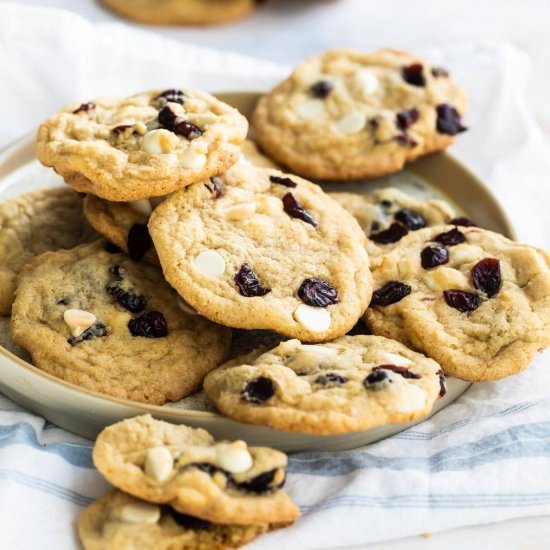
column 288, row 30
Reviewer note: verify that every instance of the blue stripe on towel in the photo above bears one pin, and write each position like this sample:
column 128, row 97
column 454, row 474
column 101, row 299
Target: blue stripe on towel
column 527, row 440
column 433, row 501
column 449, row 428
column 44, row 486
column 24, row 434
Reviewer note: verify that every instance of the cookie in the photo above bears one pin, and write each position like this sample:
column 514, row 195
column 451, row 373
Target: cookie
column 147, row 145
column 34, row 223
column 223, row 482
column 347, row 115
column 112, row 326
column 387, row 215
column 125, row 223
column 264, row 250
column 473, row 300
column 354, row 383
column 178, row 12
column 118, row 521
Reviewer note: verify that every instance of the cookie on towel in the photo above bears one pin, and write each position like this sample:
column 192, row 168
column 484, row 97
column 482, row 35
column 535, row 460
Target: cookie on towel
column 222, row 482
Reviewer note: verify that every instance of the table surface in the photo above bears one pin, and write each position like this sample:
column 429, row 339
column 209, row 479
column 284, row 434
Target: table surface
column 276, row 32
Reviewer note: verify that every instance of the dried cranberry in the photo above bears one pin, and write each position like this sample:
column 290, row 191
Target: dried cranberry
column 413, row 74
column 322, row 88
column 261, row 483
column 126, row 298
column 403, row 371
column 462, row 300
column 84, row 107
column 411, row 218
column 377, row 380
column 167, row 118
column 486, row 276
column 317, row 292
column 259, row 390
column 117, row 130
column 395, row 232
column 215, row 186
column 139, row 241
column 390, row 293
column 248, row 284
column 405, row 140
column 150, row 325
column 187, row 129
column 295, row 210
column 174, row 96
column 432, row 256
column 449, row 120
column 330, row 378
column 97, row 330
column 405, row 119
column 112, row 248
column 462, row 221
column 188, row 522
column 287, row 182
column 442, row 385
column 439, row 72
column 451, row 238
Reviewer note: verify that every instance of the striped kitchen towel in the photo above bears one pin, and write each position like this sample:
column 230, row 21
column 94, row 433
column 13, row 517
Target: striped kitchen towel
column 484, row 458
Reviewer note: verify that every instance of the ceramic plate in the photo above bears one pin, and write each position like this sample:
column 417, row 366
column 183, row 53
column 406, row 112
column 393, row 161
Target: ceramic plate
column 85, row 412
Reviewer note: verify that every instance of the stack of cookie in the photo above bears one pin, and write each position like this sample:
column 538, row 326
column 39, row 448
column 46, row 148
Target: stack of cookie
column 208, row 239
column 178, row 488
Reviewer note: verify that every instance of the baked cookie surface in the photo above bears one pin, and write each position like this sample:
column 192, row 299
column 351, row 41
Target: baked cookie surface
column 110, row 325
column 223, row 482
column 473, row 300
column 125, row 223
column 350, row 115
column 387, row 215
column 146, row 145
column 117, row 521
column 354, row 383
column 260, row 249
column 34, row 223
column 178, row 12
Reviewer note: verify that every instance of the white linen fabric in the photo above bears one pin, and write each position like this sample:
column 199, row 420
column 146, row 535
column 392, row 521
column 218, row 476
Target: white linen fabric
column 484, row 458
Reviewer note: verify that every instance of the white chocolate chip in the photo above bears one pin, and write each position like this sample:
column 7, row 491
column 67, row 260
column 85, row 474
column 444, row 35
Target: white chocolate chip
column 158, row 142
column 159, row 463
column 199, row 146
column 351, row 123
column 190, row 159
column 240, row 211
column 315, row 319
column 185, row 307
column 244, row 161
column 320, row 350
column 464, row 254
column 312, row 109
column 142, row 206
column 140, row 512
column 233, row 457
column 209, row 263
column 78, row 320
column 394, row 359
column 365, row 82
column 411, row 399
column 444, row 278
column 140, row 128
